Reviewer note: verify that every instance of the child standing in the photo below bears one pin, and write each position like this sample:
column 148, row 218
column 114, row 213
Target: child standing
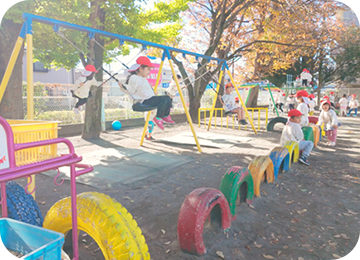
column 293, row 132
column 301, row 97
column 329, row 118
column 343, row 105
column 332, row 98
column 229, row 104
column 280, row 100
column 172, row 90
column 290, row 100
column 81, row 89
column 140, row 90
column 353, row 104
column 311, row 104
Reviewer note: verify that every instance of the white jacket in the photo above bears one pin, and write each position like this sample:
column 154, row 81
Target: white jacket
column 303, row 108
column 353, row 103
column 291, row 132
column 329, row 118
column 139, row 88
column 83, row 91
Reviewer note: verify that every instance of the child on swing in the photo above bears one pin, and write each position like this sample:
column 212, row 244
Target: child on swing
column 81, row 89
column 140, row 89
column 230, row 105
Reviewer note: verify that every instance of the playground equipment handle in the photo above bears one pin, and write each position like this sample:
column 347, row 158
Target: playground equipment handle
column 46, row 142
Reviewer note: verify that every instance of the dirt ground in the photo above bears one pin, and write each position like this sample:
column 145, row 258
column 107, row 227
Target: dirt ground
column 309, row 212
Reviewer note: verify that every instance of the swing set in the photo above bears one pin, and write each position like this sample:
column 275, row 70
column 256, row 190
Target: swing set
column 26, row 31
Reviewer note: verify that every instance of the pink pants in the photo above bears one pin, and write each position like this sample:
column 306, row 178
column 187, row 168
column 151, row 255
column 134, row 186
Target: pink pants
column 331, row 135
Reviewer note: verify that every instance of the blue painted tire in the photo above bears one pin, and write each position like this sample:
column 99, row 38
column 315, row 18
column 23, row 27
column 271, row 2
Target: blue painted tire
column 22, row 206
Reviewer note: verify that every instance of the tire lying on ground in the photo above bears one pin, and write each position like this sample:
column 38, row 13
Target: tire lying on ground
column 272, row 122
column 22, row 206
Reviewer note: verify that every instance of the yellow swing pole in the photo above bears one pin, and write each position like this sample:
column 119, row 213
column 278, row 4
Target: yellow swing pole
column 242, row 103
column 12, row 61
column 30, row 87
column 155, row 88
column 184, row 103
column 216, row 96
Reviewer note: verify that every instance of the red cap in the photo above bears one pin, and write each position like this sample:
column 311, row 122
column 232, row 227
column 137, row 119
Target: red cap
column 325, row 102
column 229, row 85
column 311, row 96
column 353, row 95
column 302, row 93
column 304, row 70
column 90, row 68
column 143, row 60
column 237, row 99
column 332, row 92
column 326, row 97
column 294, row 112
column 283, row 94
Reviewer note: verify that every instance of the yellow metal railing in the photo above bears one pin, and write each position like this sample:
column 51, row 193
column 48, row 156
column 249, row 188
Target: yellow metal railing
column 249, row 109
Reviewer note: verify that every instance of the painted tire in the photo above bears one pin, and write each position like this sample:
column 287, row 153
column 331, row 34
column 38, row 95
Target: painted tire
column 272, row 122
column 231, row 183
column 308, row 133
column 313, row 120
column 317, row 137
column 22, row 206
column 293, row 149
column 258, row 167
column 193, row 214
column 105, row 220
column 281, row 160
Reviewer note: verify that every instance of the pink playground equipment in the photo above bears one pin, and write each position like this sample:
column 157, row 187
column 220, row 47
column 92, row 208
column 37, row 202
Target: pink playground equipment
column 136, row 248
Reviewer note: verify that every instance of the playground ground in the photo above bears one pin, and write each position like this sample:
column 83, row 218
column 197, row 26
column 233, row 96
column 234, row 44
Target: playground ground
column 308, row 213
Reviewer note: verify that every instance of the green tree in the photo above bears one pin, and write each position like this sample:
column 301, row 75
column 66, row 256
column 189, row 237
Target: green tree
column 117, row 16
column 11, row 106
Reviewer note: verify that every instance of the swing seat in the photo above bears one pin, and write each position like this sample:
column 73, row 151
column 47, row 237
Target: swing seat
column 228, row 113
column 140, row 107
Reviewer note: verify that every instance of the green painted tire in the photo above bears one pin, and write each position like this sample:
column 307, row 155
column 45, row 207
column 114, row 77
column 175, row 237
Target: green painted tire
column 308, row 133
column 231, row 184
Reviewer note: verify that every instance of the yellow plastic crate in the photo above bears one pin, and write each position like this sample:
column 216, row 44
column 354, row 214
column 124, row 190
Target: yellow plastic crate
column 31, row 131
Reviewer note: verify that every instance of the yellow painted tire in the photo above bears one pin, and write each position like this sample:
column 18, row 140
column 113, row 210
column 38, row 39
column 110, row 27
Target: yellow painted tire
column 106, row 221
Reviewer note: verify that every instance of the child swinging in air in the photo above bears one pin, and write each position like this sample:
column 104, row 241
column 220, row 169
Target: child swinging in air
column 81, row 89
column 230, row 105
column 292, row 132
column 329, row 118
column 140, row 89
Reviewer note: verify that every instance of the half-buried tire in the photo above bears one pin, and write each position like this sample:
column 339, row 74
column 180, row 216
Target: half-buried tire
column 274, row 121
column 22, row 206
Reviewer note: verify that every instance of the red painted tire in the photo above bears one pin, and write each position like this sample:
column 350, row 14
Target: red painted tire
column 313, row 120
column 193, row 214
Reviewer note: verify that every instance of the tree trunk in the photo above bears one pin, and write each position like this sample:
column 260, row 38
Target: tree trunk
column 252, row 101
column 11, row 106
column 92, row 125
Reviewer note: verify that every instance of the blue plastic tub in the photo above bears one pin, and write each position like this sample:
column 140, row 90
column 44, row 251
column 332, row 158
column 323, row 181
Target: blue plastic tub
column 35, row 243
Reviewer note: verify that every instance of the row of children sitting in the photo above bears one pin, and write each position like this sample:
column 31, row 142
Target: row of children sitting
column 298, row 118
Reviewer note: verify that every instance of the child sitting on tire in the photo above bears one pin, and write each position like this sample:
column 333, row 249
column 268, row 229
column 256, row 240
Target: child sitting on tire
column 292, row 132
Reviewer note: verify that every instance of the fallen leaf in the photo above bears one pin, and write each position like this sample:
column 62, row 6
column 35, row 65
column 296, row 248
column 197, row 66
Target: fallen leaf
column 268, row 256
column 344, row 236
column 289, row 202
column 167, row 251
column 279, row 252
column 346, row 214
column 337, row 236
column 303, row 190
column 167, row 243
column 285, row 247
column 336, row 256
column 300, row 258
column 251, row 206
column 163, row 231
column 42, row 203
column 258, row 246
column 248, row 247
column 220, row 254
column 306, row 245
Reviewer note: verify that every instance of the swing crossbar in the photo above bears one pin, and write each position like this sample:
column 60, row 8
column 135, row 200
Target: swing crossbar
column 92, row 32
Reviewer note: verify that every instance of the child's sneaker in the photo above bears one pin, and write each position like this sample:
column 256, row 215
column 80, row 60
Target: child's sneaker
column 159, row 123
column 243, row 122
column 168, row 120
column 303, row 159
column 149, row 138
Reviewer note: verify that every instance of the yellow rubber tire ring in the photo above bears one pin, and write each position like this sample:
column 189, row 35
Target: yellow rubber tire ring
column 106, row 221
